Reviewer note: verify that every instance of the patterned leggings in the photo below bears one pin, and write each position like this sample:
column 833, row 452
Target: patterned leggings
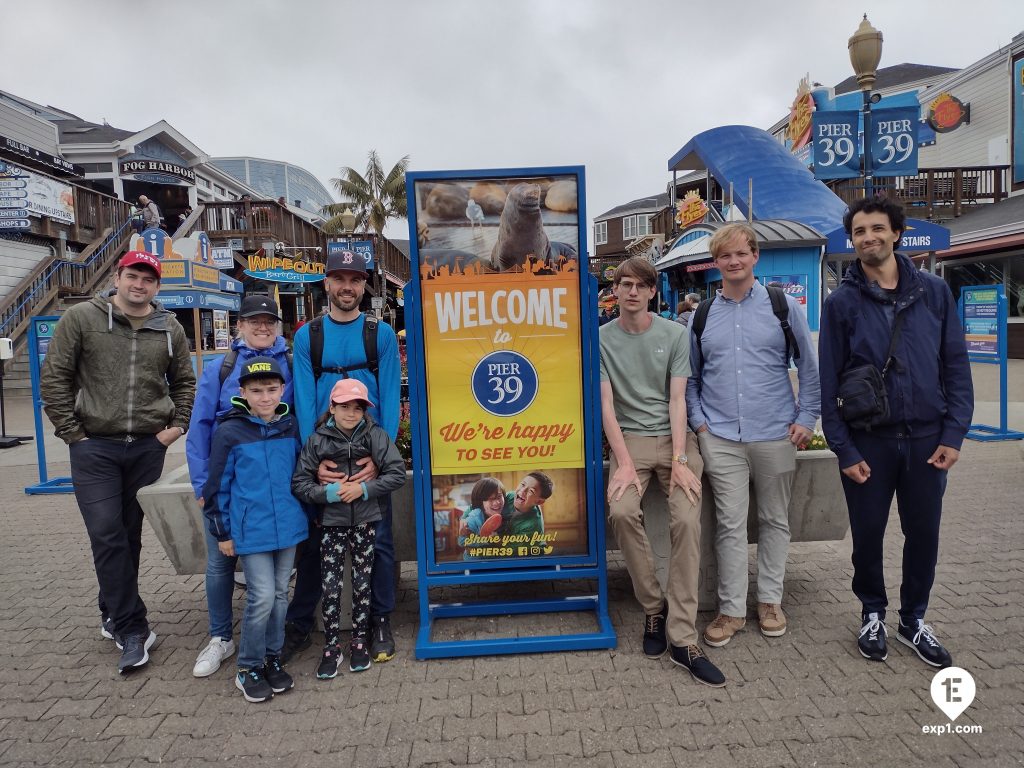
column 334, row 540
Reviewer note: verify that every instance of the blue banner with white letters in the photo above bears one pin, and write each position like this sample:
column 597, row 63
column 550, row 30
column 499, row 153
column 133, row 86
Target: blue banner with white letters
column 894, row 141
column 836, row 151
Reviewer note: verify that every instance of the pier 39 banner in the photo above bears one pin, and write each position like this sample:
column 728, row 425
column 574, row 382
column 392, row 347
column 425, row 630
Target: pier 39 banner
column 499, row 295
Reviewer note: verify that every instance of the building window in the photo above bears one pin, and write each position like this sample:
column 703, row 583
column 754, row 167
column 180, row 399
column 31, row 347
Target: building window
column 600, row 232
column 635, row 226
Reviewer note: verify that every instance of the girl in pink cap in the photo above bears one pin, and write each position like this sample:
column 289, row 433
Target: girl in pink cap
column 347, row 512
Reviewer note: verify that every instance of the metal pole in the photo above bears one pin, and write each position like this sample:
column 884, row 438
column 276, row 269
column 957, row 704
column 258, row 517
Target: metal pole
column 869, row 187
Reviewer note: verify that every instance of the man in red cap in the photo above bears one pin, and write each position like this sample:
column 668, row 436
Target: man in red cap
column 118, row 385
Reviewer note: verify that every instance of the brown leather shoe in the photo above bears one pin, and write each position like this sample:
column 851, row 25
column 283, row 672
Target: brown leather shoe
column 772, row 619
column 720, row 631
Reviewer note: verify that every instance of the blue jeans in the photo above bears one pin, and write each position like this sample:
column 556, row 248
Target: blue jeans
column 266, row 585
column 382, row 585
column 220, row 588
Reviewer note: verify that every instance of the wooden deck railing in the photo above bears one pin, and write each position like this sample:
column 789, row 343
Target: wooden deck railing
column 256, row 222
column 941, row 193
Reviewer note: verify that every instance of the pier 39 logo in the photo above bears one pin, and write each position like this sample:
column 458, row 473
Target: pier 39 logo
column 504, row 383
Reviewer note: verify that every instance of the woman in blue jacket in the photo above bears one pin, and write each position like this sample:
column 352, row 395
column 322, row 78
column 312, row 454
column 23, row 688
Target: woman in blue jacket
column 259, row 333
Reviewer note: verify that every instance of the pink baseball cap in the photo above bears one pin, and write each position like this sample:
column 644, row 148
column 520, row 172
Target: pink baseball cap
column 135, row 258
column 349, row 390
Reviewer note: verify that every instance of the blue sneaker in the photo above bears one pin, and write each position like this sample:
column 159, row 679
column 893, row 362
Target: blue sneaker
column 135, row 651
column 921, row 638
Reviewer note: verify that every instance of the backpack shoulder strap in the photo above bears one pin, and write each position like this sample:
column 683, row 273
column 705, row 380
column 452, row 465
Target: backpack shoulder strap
column 780, row 307
column 228, row 365
column 316, row 346
column 697, row 323
column 370, row 327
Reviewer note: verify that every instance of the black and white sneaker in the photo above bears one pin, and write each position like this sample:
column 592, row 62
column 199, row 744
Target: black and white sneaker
column 921, row 638
column 279, row 680
column 135, row 651
column 253, row 685
column 655, row 642
column 328, row 667
column 871, row 640
column 107, row 627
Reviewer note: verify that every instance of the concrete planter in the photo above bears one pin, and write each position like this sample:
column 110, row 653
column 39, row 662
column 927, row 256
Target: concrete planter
column 817, row 512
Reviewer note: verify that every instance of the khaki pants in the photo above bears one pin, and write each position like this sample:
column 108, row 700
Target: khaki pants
column 652, row 457
column 730, row 466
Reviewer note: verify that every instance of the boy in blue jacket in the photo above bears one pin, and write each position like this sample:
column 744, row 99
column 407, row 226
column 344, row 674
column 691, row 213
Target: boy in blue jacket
column 252, row 513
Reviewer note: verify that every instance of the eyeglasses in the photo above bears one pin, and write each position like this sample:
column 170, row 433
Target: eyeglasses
column 261, row 323
column 630, row 285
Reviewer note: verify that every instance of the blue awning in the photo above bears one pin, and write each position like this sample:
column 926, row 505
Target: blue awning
column 783, row 187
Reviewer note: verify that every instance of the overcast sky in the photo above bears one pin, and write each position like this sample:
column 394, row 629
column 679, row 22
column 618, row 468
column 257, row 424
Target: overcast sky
column 615, row 86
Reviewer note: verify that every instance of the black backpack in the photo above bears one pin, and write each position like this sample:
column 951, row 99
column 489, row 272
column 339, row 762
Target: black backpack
column 780, row 308
column 316, row 349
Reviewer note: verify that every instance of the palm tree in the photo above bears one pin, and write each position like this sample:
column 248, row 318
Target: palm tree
column 375, row 197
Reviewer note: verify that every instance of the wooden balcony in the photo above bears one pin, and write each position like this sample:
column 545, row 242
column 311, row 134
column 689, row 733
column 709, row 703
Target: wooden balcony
column 935, row 193
column 256, row 222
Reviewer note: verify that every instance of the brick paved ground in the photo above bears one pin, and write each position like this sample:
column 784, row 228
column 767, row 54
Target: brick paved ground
column 804, row 699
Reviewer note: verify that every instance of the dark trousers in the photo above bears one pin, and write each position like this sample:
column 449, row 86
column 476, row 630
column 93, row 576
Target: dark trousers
column 107, row 475
column 898, row 466
column 335, row 541
column 307, row 592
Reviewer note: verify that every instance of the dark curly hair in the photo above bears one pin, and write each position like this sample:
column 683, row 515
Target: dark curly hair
column 892, row 209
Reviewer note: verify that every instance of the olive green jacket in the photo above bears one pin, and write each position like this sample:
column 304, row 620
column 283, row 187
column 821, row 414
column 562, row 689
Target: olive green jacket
column 102, row 378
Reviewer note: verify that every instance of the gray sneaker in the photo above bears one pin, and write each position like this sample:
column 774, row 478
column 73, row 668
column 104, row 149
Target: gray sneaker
column 136, row 651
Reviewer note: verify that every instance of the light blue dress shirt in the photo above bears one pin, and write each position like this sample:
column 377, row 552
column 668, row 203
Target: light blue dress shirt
column 741, row 389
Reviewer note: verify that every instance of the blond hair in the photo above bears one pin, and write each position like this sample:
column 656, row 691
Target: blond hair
column 728, row 232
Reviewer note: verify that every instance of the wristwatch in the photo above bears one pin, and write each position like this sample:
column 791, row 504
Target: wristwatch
column 680, row 459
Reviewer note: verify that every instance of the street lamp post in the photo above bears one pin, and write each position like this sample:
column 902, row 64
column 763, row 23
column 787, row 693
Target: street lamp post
column 865, row 52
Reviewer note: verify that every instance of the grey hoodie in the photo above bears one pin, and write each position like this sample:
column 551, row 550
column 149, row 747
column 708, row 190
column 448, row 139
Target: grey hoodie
column 102, row 378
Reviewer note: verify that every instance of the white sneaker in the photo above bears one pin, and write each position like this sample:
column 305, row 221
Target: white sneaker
column 211, row 656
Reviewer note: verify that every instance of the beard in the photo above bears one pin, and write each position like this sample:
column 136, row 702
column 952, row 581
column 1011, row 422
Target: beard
column 346, row 303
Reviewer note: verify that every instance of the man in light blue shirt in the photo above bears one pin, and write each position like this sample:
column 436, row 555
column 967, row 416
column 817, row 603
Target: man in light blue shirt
column 749, row 425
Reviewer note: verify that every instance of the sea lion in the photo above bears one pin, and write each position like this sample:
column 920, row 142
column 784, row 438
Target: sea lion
column 447, row 201
column 561, row 196
column 521, row 231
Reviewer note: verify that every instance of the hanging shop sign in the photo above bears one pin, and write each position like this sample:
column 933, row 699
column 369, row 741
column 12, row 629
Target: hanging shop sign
column 947, row 113
column 283, row 269
column 691, row 209
column 505, row 449
column 164, row 172
column 38, row 156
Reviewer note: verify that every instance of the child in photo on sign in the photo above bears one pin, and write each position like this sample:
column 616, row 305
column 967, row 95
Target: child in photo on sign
column 252, row 513
column 347, row 513
column 486, row 500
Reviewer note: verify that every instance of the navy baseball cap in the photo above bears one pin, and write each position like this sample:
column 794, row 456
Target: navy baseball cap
column 260, row 368
column 346, row 261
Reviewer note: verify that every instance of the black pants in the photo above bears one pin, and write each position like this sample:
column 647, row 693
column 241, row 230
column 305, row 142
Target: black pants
column 898, row 466
column 335, row 541
column 302, row 608
column 107, row 475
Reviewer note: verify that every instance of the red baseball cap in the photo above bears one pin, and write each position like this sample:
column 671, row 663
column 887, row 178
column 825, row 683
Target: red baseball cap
column 134, row 258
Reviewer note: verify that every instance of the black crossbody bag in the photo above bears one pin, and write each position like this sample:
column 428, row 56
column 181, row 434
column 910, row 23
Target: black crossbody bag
column 862, row 400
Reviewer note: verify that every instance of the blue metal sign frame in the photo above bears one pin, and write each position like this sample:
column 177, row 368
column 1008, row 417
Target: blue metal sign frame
column 975, row 304
column 590, row 565
column 40, row 330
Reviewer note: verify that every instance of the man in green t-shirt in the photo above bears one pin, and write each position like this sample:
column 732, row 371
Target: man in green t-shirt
column 522, row 511
column 645, row 362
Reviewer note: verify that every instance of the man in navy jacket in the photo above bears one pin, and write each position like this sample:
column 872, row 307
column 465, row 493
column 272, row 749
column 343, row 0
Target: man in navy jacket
column 931, row 401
